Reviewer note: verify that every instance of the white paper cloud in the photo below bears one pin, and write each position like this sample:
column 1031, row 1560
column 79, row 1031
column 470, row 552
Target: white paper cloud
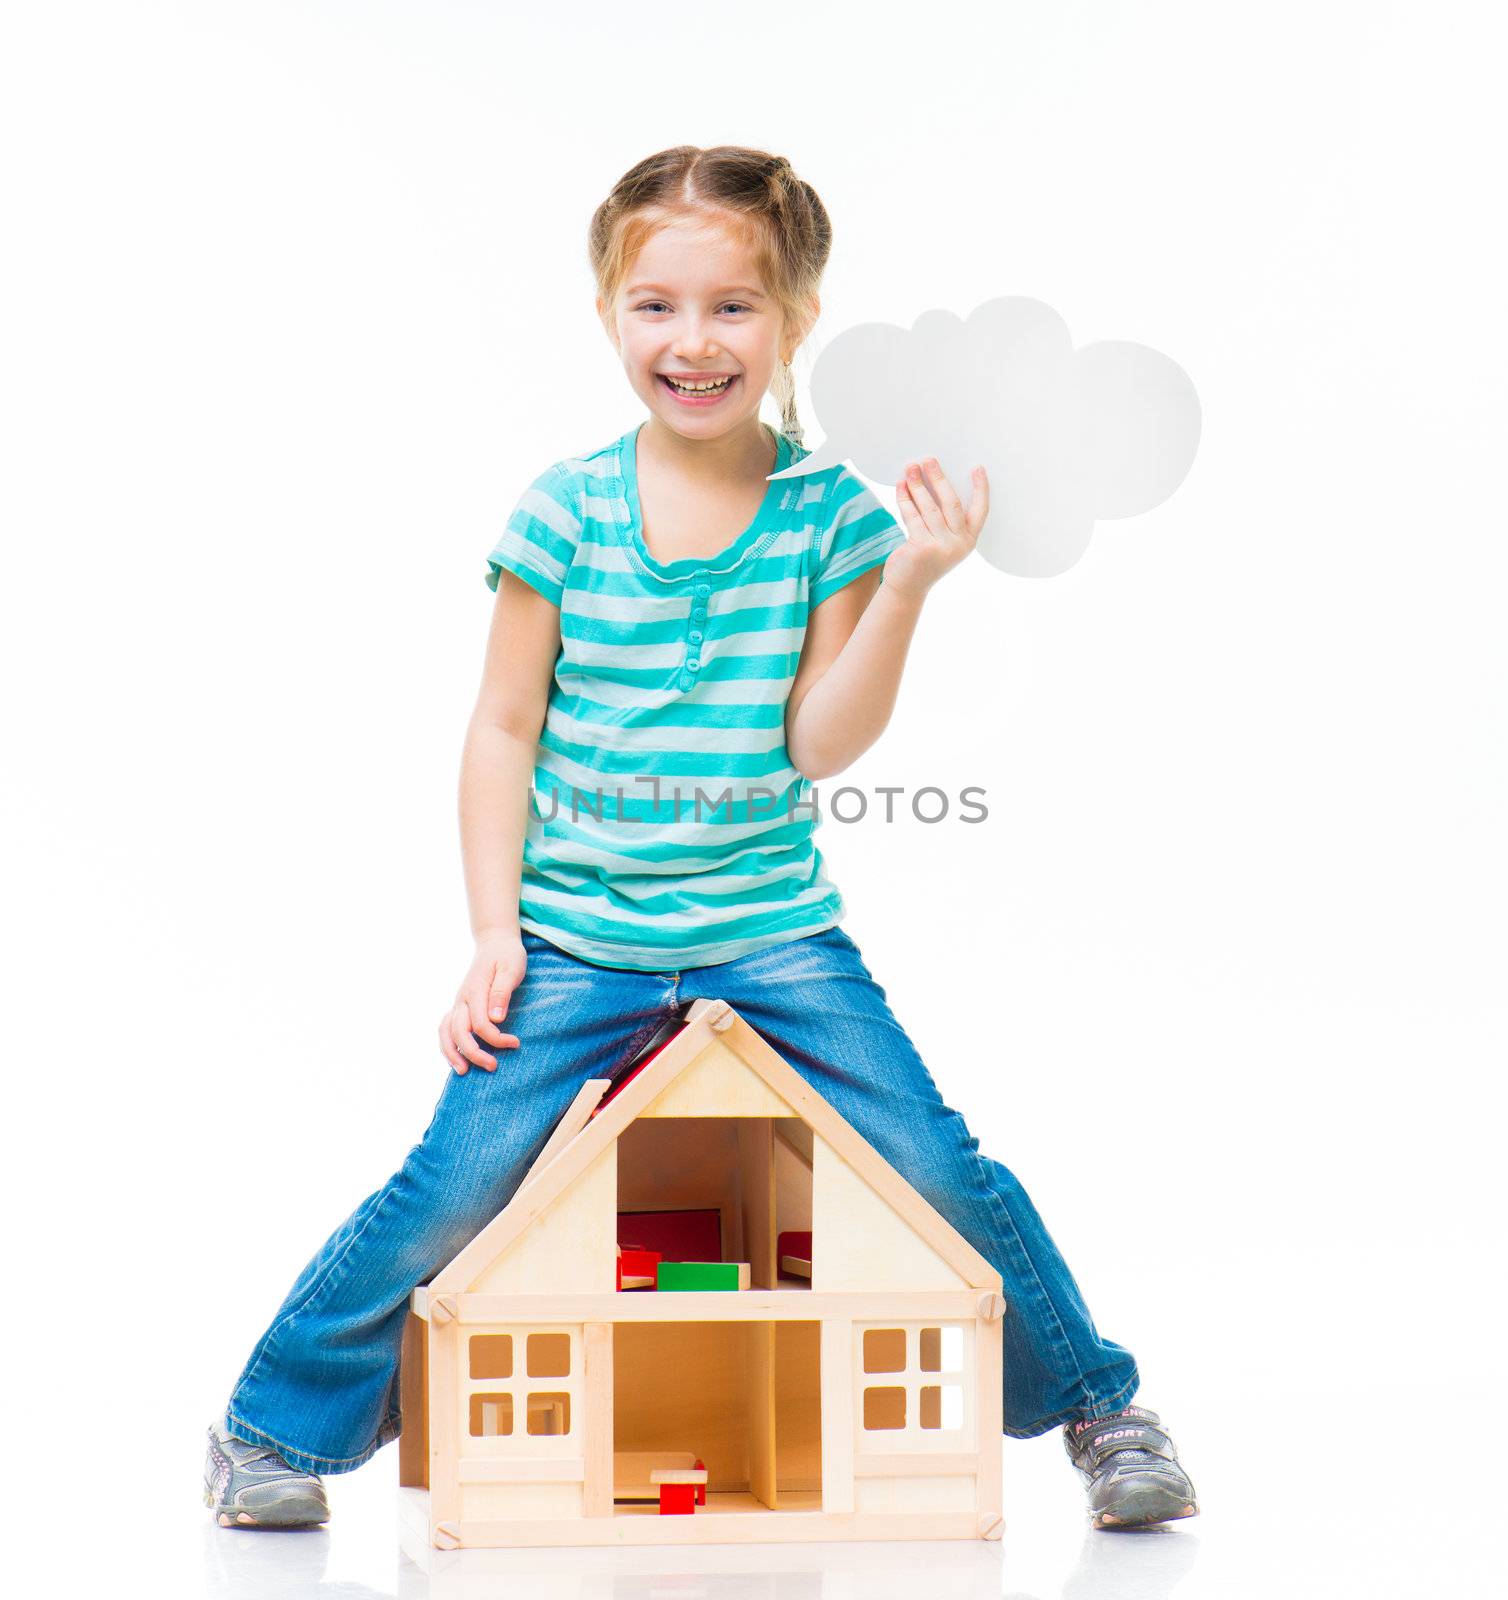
column 1069, row 437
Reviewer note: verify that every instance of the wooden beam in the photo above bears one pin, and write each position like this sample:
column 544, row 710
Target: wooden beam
column 578, row 1114
column 759, row 1373
column 521, row 1469
column 836, row 1373
column 716, row 1305
column 597, row 1402
column 444, row 1424
column 989, row 1386
column 955, row 1464
column 413, row 1401
column 756, row 1149
column 708, row 1526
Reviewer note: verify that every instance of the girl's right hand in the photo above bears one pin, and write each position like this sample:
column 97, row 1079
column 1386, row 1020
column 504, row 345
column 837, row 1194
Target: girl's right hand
column 482, row 1002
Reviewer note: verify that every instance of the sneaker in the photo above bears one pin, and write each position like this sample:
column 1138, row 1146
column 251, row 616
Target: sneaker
column 1130, row 1470
column 251, row 1486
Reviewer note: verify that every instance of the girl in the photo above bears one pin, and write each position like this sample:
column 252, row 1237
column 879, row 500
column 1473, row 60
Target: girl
column 678, row 649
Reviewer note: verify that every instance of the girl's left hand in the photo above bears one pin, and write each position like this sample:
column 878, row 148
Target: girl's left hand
column 941, row 531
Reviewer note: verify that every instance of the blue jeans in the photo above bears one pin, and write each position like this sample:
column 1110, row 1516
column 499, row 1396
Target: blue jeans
column 321, row 1385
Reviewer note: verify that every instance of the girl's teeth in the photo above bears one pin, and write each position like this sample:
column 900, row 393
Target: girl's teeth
column 699, row 388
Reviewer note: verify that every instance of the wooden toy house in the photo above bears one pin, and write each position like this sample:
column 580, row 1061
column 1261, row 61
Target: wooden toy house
column 710, row 1313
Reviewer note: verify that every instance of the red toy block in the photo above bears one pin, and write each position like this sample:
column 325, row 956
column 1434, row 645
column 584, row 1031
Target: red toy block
column 677, row 1499
column 682, row 1489
column 634, row 1263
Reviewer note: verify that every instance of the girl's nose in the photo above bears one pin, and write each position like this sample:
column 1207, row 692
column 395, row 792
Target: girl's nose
column 695, row 344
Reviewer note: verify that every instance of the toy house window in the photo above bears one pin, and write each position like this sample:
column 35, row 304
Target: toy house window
column 941, row 1406
column 505, row 1398
column 912, row 1359
column 549, row 1355
column 492, row 1355
column 941, row 1349
column 884, row 1408
column 549, row 1413
column 884, row 1350
column 491, row 1415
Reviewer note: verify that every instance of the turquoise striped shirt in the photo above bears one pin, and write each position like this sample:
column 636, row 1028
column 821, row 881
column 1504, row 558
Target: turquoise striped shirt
column 667, row 827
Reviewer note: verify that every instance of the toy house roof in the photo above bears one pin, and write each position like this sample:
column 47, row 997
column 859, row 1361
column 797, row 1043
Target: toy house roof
column 716, row 1059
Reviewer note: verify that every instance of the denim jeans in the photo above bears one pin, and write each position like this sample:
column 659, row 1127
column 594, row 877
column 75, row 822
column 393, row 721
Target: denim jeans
column 321, row 1384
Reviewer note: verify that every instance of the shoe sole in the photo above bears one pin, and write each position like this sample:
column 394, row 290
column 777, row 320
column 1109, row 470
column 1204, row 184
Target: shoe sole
column 301, row 1512
column 1142, row 1507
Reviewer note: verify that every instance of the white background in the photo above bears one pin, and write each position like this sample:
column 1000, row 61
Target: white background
column 296, row 302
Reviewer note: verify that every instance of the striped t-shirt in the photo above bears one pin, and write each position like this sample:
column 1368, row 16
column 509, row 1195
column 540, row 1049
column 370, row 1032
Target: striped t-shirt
column 667, row 827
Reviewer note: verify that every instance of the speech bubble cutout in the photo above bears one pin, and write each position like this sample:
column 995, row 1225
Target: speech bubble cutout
column 1068, row 437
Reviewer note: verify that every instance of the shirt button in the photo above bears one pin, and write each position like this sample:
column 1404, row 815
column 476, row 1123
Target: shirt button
column 693, row 664
column 704, row 588
column 699, row 614
column 696, row 637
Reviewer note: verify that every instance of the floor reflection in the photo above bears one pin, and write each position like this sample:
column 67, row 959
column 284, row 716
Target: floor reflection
column 934, row 1569
column 247, row 1565
column 1148, row 1564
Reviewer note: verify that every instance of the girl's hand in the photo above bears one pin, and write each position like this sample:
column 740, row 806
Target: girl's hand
column 482, row 1002
column 941, row 531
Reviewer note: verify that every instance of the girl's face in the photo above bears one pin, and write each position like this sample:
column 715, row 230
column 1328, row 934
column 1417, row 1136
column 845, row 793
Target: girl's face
column 693, row 308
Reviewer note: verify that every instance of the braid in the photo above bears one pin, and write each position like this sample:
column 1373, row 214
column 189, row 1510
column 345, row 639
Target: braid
column 785, row 189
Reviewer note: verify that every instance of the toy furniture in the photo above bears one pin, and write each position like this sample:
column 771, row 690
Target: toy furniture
column 678, row 1487
column 710, row 1313
column 637, row 1472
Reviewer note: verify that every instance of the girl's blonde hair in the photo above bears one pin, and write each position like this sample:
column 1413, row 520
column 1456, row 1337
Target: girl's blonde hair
column 750, row 191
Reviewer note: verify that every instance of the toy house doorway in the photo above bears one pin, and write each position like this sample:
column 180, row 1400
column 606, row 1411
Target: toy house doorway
column 741, row 1397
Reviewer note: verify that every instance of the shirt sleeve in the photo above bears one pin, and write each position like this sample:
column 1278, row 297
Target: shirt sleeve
column 857, row 533
column 539, row 540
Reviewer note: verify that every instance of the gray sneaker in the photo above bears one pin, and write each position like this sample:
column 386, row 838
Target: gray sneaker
column 251, row 1486
column 1130, row 1469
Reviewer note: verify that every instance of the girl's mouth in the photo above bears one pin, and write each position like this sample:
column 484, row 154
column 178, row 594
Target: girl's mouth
column 704, row 394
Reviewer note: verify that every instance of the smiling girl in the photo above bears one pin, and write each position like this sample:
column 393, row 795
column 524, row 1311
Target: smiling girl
column 679, row 648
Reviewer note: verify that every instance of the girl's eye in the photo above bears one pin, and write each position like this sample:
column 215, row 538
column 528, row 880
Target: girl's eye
column 659, row 305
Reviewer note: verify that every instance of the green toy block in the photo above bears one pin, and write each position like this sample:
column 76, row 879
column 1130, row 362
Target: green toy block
column 701, row 1275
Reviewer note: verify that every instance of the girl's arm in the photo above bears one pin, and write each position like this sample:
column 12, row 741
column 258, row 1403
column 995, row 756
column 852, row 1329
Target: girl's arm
column 497, row 770
column 856, row 640
column 850, row 672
